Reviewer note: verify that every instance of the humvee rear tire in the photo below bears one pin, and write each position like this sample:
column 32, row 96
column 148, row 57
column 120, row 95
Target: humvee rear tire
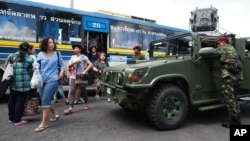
column 167, row 107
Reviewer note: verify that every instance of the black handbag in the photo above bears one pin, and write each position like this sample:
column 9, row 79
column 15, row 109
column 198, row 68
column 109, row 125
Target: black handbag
column 65, row 79
column 81, row 79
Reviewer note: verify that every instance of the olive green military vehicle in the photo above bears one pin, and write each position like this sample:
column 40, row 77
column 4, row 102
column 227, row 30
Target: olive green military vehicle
column 166, row 87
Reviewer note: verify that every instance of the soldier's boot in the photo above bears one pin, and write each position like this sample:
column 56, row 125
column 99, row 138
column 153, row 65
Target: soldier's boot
column 233, row 121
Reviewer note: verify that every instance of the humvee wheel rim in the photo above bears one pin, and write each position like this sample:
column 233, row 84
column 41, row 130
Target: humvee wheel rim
column 171, row 108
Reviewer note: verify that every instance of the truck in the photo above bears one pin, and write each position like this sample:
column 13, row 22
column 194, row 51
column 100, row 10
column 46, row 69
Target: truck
column 165, row 88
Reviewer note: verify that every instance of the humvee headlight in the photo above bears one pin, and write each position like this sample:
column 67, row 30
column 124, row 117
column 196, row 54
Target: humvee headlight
column 129, row 78
column 119, row 78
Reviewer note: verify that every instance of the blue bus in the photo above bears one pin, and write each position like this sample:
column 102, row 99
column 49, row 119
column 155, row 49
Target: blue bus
column 116, row 35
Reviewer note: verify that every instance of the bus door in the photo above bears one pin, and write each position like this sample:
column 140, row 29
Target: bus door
column 96, row 32
column 99, row 40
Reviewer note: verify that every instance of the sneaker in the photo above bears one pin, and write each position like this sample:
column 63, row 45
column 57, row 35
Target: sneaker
column 10, row 121
column 109, row 100
column 97, row 97
column 81, row 100
column 22, row 122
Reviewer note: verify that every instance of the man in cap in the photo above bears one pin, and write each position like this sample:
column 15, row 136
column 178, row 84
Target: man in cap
column 227, row 55
column 137, row 54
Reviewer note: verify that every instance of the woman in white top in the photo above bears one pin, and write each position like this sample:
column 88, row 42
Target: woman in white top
column 80, row 64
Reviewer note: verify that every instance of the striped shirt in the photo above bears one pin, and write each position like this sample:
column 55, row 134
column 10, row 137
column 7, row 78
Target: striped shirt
column 22, row 73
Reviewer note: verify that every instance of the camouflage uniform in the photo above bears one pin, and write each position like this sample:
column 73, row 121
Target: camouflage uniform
column 230, row 81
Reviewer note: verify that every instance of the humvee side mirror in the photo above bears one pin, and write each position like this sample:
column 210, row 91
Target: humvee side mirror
column 206, row 52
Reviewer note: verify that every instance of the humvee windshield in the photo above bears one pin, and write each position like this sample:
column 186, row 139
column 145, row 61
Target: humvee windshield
column 174, row 46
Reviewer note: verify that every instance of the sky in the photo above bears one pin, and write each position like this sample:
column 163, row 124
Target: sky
column 234, row 16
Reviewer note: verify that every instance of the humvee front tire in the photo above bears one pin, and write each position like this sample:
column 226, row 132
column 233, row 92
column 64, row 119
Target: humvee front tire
column 123, row 106
column 167, row 107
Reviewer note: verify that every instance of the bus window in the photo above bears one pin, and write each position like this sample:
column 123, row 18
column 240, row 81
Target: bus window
column 63, row 27
column 124, row 35
column 17, row 22
column 127, row 35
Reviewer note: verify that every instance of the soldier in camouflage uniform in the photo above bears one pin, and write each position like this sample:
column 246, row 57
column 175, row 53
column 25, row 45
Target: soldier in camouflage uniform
column 137, row 54
column 229, row 80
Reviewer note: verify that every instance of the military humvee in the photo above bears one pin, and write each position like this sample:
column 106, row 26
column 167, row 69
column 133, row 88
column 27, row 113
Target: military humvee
column 166, row 87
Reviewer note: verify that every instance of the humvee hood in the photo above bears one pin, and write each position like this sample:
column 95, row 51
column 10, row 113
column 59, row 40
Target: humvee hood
column 140, row 65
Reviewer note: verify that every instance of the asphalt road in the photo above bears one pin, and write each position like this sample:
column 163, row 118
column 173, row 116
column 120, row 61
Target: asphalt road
column 108, row 122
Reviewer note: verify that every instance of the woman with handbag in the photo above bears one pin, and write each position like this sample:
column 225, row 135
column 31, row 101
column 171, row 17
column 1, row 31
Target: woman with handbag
column 20, row 85
column 80, row 64
column 47, row 58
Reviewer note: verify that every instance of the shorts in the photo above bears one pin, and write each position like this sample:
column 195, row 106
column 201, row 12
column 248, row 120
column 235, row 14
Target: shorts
column 98, row 82
column 47, row 93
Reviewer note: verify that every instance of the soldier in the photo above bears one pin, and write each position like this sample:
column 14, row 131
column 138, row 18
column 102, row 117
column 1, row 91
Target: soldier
column 137, row 54
column 228, row 55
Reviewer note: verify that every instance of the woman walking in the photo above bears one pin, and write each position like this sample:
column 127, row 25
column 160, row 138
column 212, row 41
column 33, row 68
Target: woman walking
column 80, row 64
column 48, row 60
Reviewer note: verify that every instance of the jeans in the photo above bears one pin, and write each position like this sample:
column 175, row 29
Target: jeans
column 61, row 92
column 73, row 87
column 47, row 93
column 16, row 105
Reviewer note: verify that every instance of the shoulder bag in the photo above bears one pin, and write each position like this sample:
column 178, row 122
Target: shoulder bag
column 81, row 79
column 8, row 76
column 65, row 79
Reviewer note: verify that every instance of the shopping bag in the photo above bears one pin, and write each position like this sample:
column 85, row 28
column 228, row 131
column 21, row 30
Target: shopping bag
column 7, row 78
column 36, row 80
column 31, row 106
column 8, row 73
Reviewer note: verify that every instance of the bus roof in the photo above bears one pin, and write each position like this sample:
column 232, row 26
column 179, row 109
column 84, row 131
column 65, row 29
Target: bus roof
column 93, row 14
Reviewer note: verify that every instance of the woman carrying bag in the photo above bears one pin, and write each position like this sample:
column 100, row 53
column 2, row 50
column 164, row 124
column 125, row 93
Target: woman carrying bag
column 80, row 64
column 47, row 58
column 20, row 85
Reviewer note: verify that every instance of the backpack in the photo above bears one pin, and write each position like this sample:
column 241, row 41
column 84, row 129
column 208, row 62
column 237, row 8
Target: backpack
column 236, row 67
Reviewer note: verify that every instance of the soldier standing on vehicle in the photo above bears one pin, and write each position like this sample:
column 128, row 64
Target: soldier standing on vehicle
column 229, row 79
column 137, row 54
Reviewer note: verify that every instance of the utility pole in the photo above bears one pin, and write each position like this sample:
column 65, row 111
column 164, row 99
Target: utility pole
column 71, row 4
